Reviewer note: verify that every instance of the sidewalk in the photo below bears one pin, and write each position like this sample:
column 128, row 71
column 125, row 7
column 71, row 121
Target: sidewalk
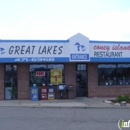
column 82, row 102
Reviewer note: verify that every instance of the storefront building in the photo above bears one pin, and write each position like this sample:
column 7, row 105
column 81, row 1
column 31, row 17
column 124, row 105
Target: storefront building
column 94, row 68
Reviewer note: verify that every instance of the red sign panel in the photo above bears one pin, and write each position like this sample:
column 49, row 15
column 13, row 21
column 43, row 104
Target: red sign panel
column 40, row 73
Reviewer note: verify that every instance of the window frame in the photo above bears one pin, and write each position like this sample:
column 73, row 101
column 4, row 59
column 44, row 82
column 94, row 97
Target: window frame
column 117, row 78
column 16, row 83
column 47, row 71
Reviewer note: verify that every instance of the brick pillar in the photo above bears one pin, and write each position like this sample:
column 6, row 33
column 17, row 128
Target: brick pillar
column 92, row 79
column 23, row 81
column 1, row 81
column 70, row 75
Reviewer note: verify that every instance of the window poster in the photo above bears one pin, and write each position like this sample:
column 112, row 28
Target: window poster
column 56, row 76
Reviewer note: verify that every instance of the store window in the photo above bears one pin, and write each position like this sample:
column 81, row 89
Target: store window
column 10, row 80
column 123, row 74
column 114, row 74
column 37, row 74
column 81, row 66
column 46, row 73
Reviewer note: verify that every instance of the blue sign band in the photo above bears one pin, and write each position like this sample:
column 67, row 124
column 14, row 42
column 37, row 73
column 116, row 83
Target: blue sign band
column 79, row 57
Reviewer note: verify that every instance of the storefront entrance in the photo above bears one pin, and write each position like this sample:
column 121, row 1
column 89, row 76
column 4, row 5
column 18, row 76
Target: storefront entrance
column 81, row 80
column 10, row 81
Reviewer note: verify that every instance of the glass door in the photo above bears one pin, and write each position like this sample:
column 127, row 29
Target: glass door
column 81, row 80
column 10, row 81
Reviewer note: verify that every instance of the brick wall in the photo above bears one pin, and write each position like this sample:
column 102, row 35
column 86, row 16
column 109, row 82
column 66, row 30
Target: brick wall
column 70, row 75
column 23, row 81
column 70, row 79
column 1, row 81
column 103, row 91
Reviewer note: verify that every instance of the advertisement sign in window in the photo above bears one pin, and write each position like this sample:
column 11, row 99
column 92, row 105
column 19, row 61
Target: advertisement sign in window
column 56, row 76
column 40, row 73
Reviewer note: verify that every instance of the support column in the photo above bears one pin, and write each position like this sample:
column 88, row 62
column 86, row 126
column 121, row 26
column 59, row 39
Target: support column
column 1, row 81
column 23, row 81
column 70, row 75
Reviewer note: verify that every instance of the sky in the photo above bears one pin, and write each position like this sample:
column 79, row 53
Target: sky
column 60, row 19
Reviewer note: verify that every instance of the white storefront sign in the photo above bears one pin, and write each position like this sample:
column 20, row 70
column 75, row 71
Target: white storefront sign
column 113, row 51
column 78, row 48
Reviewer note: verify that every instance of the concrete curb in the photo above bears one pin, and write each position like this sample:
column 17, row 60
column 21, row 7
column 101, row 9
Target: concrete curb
column 85, row 103
column 84, row 106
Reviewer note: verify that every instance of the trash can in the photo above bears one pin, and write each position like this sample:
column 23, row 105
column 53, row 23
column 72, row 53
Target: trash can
column 34, row 93
column 71, row 92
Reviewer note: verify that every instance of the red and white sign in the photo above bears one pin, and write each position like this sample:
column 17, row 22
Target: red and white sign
column 110, row 50
column 40, row 73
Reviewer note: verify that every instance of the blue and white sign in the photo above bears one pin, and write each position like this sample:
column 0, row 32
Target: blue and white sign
column 33, row 51
column 79, row 48
column 2, row 51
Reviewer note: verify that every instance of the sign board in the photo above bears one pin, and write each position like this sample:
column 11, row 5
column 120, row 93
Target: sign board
column 33, row 51
column 77, row 48
column 61, row 87
column 110, row 51
column 56, row 76
column 40, row 73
